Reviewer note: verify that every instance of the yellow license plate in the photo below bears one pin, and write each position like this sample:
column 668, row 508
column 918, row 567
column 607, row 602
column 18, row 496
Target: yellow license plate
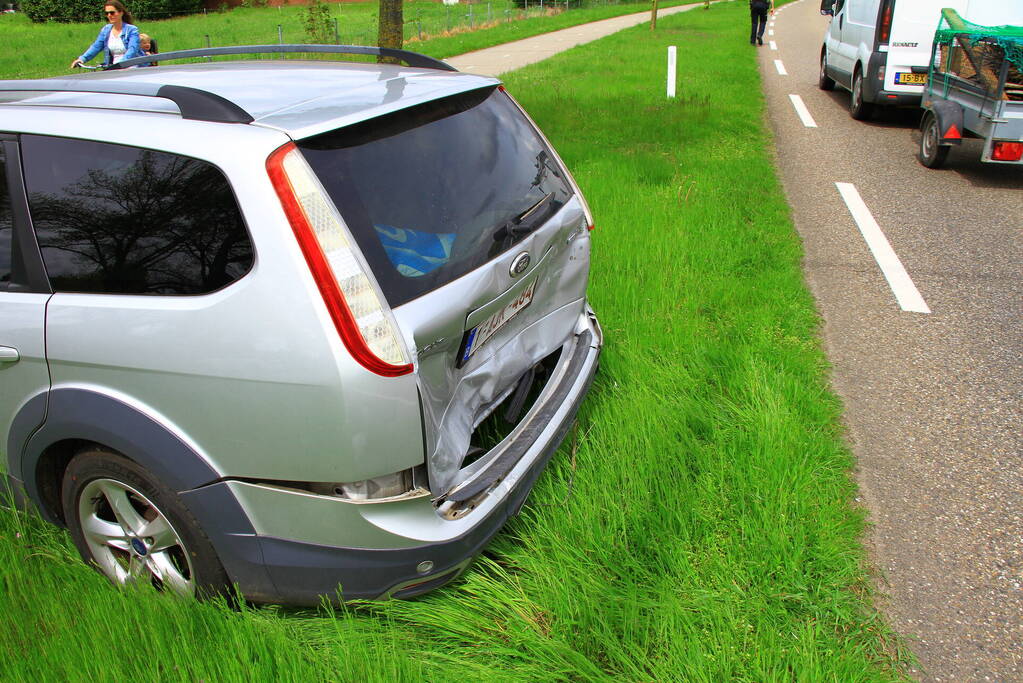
column 904, row 78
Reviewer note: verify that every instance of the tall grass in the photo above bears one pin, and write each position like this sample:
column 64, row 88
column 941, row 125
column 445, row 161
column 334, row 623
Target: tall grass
column 47, row 49
column 697, row 525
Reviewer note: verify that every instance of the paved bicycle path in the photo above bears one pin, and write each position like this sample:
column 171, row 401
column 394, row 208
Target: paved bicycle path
column 494, row 61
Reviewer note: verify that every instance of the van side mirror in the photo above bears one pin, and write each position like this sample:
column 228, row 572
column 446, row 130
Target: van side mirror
column 828, row 8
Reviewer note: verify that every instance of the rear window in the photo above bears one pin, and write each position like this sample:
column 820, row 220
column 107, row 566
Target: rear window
column 112, row 219
column 434, row 191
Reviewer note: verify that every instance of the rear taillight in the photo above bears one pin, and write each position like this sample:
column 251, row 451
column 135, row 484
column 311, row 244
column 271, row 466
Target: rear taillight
column 884, row 30
column 1007, row 151
column 355, row 304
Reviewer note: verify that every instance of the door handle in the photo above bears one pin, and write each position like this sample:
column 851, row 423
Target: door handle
column 8, row 354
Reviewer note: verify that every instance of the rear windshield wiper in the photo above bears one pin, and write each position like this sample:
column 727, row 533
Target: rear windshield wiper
column 515, row 227
column 531, row 210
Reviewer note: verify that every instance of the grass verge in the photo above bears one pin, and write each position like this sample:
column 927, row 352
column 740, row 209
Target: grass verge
column 698, row 524
column 42, row 50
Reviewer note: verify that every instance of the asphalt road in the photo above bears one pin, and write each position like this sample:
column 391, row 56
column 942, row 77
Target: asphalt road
column 934, row 400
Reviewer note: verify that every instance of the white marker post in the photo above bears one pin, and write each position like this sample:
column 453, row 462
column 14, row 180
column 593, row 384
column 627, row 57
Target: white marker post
column 672, row 67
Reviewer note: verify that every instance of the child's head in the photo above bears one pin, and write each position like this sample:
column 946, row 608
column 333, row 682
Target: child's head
column 145, row 42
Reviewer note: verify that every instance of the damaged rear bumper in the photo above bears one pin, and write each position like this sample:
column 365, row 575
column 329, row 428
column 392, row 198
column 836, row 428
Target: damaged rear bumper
column 404, row 548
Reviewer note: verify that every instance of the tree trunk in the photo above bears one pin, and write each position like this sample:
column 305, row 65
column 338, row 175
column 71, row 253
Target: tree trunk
column 653, row 16
column 391, row 26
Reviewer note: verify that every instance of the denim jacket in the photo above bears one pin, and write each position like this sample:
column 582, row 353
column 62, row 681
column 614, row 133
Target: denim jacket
column 129, row 36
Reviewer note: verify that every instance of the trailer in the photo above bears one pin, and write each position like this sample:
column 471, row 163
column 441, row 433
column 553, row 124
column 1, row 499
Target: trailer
column 974, row 89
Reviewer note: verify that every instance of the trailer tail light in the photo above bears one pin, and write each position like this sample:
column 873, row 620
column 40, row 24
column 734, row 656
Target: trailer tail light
column 1007, row 151
column 884, row 30
column 356, row 306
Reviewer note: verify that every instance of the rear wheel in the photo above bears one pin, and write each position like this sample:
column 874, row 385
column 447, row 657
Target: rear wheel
column 859, row 109
column 134, row 529
column 825, row 82
column 932, row 152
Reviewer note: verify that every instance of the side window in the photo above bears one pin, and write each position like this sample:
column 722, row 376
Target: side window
column 124, row 220
column 6, row 226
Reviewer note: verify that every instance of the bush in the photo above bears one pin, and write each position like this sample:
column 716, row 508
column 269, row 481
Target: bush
column 89, row 10
column 318, row 29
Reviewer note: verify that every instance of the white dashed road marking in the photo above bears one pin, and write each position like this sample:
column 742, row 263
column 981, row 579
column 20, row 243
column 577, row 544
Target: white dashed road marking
column 780, row 67
column 802, row 111
column 902, row 286
column 774, row 45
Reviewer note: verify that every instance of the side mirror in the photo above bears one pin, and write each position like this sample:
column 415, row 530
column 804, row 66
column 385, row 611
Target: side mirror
column 828, row 12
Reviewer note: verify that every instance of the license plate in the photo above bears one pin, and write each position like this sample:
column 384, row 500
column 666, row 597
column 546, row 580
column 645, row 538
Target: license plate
column 905, row 78
column 478, row 336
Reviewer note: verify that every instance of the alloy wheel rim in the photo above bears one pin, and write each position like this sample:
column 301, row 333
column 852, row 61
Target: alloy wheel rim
column 131, row 540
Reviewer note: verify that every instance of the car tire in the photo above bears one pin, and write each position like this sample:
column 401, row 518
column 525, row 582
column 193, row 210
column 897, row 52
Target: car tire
column 858, row 108
column 133, row 529
column 825, row 82
column 932, row 153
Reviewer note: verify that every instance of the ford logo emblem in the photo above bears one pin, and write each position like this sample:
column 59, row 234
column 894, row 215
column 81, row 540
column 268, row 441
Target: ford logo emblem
column 520, row 264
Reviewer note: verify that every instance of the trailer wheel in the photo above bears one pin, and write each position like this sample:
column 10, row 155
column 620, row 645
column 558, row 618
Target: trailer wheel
column 932, row 152
column 859, row 109
column 825, row 82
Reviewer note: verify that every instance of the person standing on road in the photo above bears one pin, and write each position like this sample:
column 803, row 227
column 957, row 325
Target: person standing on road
column 758, row 19
column 118, row 40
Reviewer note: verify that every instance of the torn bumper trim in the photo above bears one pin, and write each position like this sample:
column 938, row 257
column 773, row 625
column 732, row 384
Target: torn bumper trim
column 500, row 467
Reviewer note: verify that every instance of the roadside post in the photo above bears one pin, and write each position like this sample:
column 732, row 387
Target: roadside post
column 672, row 68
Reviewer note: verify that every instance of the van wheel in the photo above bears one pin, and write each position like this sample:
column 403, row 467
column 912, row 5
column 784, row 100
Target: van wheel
column 859, row 109
column 932, row 152
column 825, row 82
column 134, row 529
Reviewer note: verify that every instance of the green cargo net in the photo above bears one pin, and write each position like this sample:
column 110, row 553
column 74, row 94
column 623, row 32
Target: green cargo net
column 978, row 53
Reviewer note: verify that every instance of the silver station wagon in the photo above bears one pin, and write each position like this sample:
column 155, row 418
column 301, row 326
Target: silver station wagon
column 307, row 327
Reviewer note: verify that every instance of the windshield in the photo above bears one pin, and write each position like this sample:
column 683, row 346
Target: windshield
column 434, row 191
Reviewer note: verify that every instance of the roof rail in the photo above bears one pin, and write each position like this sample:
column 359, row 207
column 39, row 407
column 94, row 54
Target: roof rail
column 193, row 103
column 411, row 58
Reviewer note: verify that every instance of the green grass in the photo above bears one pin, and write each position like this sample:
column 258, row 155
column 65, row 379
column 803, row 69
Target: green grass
column 697, row 526
column 46, row 49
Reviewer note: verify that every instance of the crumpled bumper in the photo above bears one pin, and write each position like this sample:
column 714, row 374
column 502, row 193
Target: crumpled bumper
column 412, row 549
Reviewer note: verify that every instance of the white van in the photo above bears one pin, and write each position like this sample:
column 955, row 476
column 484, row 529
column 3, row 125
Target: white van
column 880, row 50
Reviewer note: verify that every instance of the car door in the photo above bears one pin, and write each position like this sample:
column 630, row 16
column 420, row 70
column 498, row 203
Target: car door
column 840, row 52
column 24, row 378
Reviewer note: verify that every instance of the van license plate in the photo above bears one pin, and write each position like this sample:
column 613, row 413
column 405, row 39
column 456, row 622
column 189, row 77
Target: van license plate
column 905, row 78
column 478, row 336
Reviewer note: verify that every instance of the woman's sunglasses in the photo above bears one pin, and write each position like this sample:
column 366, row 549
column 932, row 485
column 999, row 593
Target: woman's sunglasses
column 109, row 12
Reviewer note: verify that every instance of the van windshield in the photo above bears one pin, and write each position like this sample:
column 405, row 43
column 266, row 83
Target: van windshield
column 436, row 190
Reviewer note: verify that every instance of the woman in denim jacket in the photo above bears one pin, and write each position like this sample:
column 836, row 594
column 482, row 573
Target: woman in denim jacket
column 119, row 39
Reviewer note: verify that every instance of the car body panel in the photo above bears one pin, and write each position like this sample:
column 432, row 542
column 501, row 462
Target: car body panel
column 23, row 379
